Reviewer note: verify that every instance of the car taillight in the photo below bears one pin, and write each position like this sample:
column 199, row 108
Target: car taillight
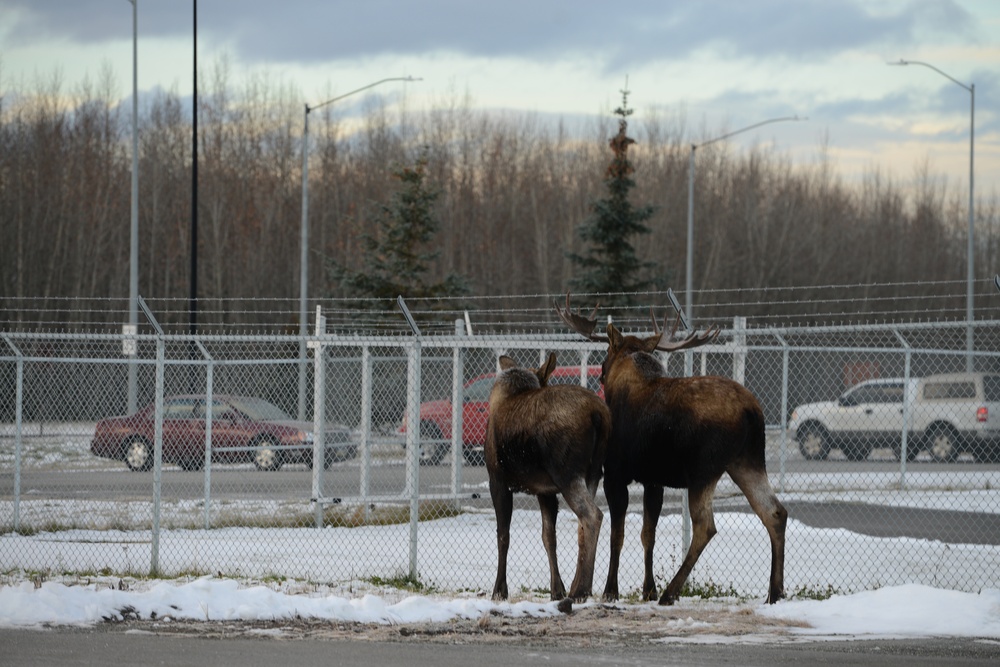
column 983, row 414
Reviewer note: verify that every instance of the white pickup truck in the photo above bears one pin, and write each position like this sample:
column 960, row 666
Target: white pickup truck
column 947, row 415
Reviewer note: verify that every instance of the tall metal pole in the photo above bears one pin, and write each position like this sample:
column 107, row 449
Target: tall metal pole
column 689, row 264
column 690, row 221
column 304, row 267
column 133, row 272
column 193, row 296
column 970, row 250
column 970, row 312
column 304, row 236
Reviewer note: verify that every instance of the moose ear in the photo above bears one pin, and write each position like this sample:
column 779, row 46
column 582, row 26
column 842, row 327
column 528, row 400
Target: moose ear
column 614, row 336
column 507, row 363
column 545, row 371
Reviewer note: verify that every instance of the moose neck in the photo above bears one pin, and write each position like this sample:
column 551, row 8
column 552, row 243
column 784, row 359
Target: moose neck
column 648, row 366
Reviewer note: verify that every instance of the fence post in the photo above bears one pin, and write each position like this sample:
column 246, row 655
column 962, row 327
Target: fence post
column 366, row 425
column 154, row 557
column 18, row 415
column 413, row 444
column 154, row 550
column 413, row 439
column 319, row 416
column 740, row 349
column 784, row 409
column 686, row 493
column 209, row 389
column 457, row 399
column 907, row 405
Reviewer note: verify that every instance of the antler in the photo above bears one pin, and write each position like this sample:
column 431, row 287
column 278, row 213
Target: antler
column 578, row 323
column 691, row 340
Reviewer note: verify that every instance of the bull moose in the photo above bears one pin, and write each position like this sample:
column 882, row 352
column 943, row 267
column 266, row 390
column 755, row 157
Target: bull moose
column 683, row 433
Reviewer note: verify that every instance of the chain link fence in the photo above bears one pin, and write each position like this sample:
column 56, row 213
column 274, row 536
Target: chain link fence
column 362, row 460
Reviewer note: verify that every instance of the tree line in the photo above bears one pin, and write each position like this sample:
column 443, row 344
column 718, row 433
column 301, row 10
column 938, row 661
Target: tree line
column 511, row 192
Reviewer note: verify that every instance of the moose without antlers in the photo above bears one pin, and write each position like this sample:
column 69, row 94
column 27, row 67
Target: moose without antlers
column 681, row 433
column 546, row 440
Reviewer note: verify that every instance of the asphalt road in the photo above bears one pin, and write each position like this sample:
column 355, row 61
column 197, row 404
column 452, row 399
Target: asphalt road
column 104, row 644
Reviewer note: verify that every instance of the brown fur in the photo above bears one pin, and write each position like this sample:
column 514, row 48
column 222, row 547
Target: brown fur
column 681, row 433
column 544, row 441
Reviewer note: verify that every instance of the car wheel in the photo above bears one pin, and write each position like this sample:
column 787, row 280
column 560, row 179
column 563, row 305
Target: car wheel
column 474, row 457
column 814, row 443
column 138, row 455
column 942, row 443
column 431, row 453
column 266, row 455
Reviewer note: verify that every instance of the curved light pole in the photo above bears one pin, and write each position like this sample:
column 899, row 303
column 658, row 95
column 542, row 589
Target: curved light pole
column 969, row 311
column 304, row 234
column 690, row 222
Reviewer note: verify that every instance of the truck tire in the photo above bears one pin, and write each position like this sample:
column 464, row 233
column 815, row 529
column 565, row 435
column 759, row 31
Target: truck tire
column 814, row 442
column 942, row 443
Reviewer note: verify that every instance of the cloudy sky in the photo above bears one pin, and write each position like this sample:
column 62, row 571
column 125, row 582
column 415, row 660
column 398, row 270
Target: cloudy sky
column 716, row 65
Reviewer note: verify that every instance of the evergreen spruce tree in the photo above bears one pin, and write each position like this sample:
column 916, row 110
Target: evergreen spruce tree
column 396, row 259
column 610, row 263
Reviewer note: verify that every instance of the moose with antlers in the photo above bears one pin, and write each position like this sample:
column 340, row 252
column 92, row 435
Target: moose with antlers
column 683, row 433
column 546, row 440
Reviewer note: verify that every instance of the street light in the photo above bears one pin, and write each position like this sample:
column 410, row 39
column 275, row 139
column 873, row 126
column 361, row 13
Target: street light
column 133, row 256
column 969, row 312
column 690, row 226
column 304, row 234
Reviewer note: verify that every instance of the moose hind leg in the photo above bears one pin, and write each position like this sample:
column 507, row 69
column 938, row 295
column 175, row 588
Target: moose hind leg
column 617, row 496
column 589, row 517
column 756, row 487
column 549, row 505
column 702, row 531
column 503, row 505
column 652, row 504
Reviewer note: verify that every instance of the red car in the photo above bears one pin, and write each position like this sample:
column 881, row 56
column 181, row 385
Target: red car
column 435, row 416
column 243, row 430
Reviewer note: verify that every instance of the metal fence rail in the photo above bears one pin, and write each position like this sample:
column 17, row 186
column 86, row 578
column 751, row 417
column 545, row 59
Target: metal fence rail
column 376, row 470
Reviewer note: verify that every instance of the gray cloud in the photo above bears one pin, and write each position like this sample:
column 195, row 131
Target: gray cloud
column 645, row 30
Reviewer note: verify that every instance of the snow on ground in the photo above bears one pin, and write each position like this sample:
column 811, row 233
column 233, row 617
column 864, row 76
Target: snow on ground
column 908, row 610
column 899, row 611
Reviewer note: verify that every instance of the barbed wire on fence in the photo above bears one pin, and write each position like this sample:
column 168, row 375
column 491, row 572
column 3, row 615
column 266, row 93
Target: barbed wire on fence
column 762, row 306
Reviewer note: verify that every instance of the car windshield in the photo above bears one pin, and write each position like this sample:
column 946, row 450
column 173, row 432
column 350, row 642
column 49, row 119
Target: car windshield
column 260, row 410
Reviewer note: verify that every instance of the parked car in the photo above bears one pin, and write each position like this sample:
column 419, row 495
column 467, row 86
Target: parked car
column 947, row 414
column 244, row 429
column 435, row 416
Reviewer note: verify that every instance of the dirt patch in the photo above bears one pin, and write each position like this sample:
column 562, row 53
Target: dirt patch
column 594, row 624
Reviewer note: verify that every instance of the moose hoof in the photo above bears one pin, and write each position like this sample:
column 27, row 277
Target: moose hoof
column 565, row 605
column 667, row 600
